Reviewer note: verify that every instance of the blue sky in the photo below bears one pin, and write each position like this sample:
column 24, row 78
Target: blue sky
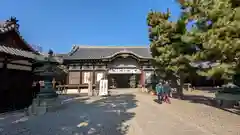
column 58, row 24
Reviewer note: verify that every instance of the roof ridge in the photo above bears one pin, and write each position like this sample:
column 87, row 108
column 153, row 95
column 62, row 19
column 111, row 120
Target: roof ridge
column 102, row 46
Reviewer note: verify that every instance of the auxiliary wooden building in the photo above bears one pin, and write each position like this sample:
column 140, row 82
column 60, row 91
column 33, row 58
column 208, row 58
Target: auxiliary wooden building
column 123, row 66
column 16, row 61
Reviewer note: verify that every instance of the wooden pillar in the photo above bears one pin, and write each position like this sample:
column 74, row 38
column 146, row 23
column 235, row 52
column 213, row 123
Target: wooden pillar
column 67, row 79
column 80, row 79
column 142, row 78
column 106, row 72
column 5, row 73
column 54, row 83
column 94, row 77
column 94, row 74
column 90, row 82
column 5, row 62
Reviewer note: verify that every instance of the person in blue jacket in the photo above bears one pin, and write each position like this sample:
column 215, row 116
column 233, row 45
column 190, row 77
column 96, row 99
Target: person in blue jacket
column 159, row 90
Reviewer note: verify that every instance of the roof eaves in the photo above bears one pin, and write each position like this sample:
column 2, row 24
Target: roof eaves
column 113, row 46
column 12, row 25
column 17, row 52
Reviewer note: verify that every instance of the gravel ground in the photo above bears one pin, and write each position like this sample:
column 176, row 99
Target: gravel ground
column 206, row 119
column 126, row 112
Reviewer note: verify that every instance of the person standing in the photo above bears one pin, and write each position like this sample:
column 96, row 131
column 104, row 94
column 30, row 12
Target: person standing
column 159, row 90
column 166, row 91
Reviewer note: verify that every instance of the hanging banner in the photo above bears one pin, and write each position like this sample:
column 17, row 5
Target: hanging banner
column 124, row 71
column 103, row 88
column 99, row 76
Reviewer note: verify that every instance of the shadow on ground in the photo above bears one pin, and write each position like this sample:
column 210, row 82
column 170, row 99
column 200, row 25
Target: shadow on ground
column 200, row 99
column 208, row 89
column 105, row 116
column 157, row 101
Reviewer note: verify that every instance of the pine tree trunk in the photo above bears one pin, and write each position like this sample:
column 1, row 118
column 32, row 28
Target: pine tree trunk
column 179, row 82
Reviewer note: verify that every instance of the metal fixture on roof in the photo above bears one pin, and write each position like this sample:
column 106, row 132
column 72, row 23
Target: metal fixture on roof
column 12, row 25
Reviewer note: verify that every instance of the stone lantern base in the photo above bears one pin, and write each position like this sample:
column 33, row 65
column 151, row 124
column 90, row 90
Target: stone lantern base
column 46, row 101
column 41, row 106
column 47, row 93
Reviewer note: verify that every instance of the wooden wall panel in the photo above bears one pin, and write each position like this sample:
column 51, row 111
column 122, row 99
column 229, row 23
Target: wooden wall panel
column 74, row 77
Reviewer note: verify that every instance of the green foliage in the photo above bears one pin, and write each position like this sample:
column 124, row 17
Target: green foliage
column 218, row 41
column 216, row 36
column 170, row 48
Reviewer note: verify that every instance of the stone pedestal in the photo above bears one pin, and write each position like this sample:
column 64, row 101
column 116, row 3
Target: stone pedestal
column 42, row 106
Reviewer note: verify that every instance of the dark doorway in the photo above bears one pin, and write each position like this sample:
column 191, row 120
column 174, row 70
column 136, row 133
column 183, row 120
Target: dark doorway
column 123, row 80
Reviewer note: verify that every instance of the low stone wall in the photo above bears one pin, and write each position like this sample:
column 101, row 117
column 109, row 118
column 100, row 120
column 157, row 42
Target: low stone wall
column 213, row 89
column 75, row 91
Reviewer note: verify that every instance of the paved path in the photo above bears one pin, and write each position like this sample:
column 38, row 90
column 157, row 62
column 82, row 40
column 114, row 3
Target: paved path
column 126, row 112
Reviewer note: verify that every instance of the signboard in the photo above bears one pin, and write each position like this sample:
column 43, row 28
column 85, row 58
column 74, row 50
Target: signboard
column 103, row 88
column 124, row 71
column 86, row 77
column 99, row 76
column 148, row 75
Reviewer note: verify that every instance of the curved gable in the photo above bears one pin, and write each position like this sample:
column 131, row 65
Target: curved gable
column 124, row 53
column 106, row 52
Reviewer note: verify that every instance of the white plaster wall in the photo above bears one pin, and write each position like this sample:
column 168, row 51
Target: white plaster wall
column 124, row 62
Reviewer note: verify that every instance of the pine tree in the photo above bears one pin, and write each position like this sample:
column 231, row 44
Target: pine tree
column 217, row 34
column 171, row 50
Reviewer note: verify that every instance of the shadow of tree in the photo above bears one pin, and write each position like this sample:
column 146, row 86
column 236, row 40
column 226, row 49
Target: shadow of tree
column 95, row 116
column 200, row 99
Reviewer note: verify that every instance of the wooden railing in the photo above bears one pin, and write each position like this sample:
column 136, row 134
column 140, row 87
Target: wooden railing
column 64, row 88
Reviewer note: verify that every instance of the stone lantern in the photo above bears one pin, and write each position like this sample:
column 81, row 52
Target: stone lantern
column 46, row 71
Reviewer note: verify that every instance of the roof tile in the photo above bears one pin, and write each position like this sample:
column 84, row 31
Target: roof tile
column 98, row 52
column 16, row 52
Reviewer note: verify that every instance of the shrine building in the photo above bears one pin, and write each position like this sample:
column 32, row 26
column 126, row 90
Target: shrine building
column 16, row 66
column 123, row 66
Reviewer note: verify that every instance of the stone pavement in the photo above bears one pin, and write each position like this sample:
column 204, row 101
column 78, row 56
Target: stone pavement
column 126, row 112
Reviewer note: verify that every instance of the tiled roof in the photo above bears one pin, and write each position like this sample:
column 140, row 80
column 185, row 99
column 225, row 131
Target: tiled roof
column 44, row 57
column 27, row 54
column 98, row 52
column 12, row 25
column 9, row 25
column 61, row 55
column 17, row 52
